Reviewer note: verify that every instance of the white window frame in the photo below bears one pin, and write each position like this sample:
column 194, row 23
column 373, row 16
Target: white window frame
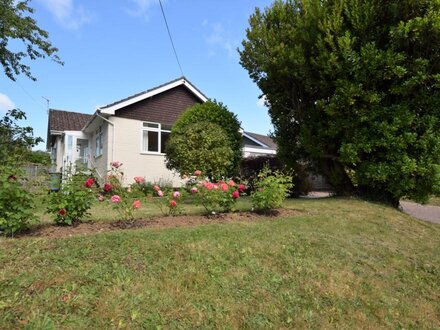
column 157, row 129
column 98, row 142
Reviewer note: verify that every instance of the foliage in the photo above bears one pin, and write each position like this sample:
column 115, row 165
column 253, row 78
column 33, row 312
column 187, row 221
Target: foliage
column 15, row 141
column 251, row 166
column 271, row 189
column 146, row 188
column 20, row 29
column 121, row 197
column 353, row 87
column 38, row 157
column 16, row 204
column 215, row 113
column 72, row 202
column 202, row 144
column 214, row 196
column 168, row 200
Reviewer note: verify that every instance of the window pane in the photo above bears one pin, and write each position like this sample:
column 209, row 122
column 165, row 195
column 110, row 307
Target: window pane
column 153, row 141
column 164, row 139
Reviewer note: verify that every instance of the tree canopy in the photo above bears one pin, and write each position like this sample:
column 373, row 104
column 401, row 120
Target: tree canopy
column 353, row 87
column 17, row 26
column 215, row 113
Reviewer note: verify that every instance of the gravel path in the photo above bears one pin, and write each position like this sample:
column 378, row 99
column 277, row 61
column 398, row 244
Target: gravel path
column 423, row 212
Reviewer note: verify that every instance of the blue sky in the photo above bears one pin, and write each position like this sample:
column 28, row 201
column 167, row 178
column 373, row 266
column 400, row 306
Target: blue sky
column 113, row 49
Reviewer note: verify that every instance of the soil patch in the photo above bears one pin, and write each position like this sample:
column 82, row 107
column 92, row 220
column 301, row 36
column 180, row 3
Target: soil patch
column 89, row 228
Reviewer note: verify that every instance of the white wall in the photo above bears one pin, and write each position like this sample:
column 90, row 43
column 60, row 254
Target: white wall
column 128, row 139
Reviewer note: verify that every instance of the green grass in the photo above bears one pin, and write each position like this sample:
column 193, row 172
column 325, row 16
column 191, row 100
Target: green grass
column 342, row 264
column 434, row 201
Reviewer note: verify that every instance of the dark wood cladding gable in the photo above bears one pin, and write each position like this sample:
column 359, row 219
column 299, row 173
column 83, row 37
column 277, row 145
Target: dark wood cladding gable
column 162, row 108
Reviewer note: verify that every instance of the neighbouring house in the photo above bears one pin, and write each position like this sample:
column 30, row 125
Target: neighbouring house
column 134, row 131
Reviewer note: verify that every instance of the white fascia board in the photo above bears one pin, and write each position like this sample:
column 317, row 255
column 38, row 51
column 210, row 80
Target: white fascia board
column 111, row 110
column 260, row 151
column 255, row 140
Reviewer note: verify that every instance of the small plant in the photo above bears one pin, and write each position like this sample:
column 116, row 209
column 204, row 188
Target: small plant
column 73, row 201
column 16, row 203
column 271, row 189
column 169, row 201
column 121, row 197
column 215, row 197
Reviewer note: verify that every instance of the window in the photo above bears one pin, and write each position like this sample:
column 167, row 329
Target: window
column 98, row 144
column 154, row 137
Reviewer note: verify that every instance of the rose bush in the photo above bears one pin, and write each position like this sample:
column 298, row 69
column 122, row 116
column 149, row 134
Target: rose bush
column 168, row 200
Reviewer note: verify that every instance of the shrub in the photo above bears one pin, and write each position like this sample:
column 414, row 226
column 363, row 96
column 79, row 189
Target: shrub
column 168, row 200
column 215, row 197
column 15, row 203
column 73, row 201
column 271, row 189
column 251, row 166
column 214, row 113
column 203, row 144
column 121, row 197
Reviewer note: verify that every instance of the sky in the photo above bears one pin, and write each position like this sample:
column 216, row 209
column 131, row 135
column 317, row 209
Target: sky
column 114, row 49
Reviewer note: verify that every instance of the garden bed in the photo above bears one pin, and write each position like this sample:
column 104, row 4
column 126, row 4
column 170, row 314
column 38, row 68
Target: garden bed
column 94, row 227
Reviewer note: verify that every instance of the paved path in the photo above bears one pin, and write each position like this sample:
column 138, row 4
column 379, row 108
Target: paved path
column 423, row 212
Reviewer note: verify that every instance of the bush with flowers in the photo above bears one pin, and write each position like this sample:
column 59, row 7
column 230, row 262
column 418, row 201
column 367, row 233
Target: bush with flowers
column 73, row 201
column 271, row 189
column 168, row 200
column 215, row 196
column 16, row 203
column 120, row 197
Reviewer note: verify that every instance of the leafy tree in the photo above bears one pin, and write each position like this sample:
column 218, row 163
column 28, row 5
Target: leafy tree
column 353, row 87
column 216, row 113
column 17, row 25
column 38, row 157
column 201, row 146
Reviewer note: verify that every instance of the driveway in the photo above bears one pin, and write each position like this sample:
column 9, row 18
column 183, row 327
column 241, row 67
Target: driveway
column 423, row 212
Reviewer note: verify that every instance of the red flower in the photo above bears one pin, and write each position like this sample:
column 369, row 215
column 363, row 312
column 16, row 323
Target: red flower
column 89, row 182
column 107, row 187
column 241, row 188
column 235, row 194
column 224, row 186
column 62, row 212
column 136, row 204
column 173, row 203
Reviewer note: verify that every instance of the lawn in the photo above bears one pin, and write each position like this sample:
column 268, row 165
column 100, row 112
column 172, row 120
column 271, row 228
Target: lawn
column 341, row 264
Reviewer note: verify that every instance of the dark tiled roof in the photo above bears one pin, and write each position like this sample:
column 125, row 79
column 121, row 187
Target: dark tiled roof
column 150, row 90
column 263, row 139
column 60, row 120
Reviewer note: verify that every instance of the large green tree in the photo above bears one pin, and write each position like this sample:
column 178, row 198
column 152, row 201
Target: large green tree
column 28, row 40
column 353, row 87
column 229, row 128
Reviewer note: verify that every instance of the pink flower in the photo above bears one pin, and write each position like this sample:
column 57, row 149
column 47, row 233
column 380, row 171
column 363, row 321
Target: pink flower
column 116, row 164
column 193, row 190
column 215, row 186
column 115, row 199
column 160, row 193
column 235, row 194
column 176, row 195
column 241, row 188
column 139, row 179
column 205, row 183
column 107, row 187
column 197, row 173
column 101, row 198
column 156, row 187
column 224, row 186
column 173, row 203
column 231, row 183
column 209, row 186
column 62, row 212
column 89, row 182
column 136, row 204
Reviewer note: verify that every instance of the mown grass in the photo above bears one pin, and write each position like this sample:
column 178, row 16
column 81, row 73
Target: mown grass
column 342, row 264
